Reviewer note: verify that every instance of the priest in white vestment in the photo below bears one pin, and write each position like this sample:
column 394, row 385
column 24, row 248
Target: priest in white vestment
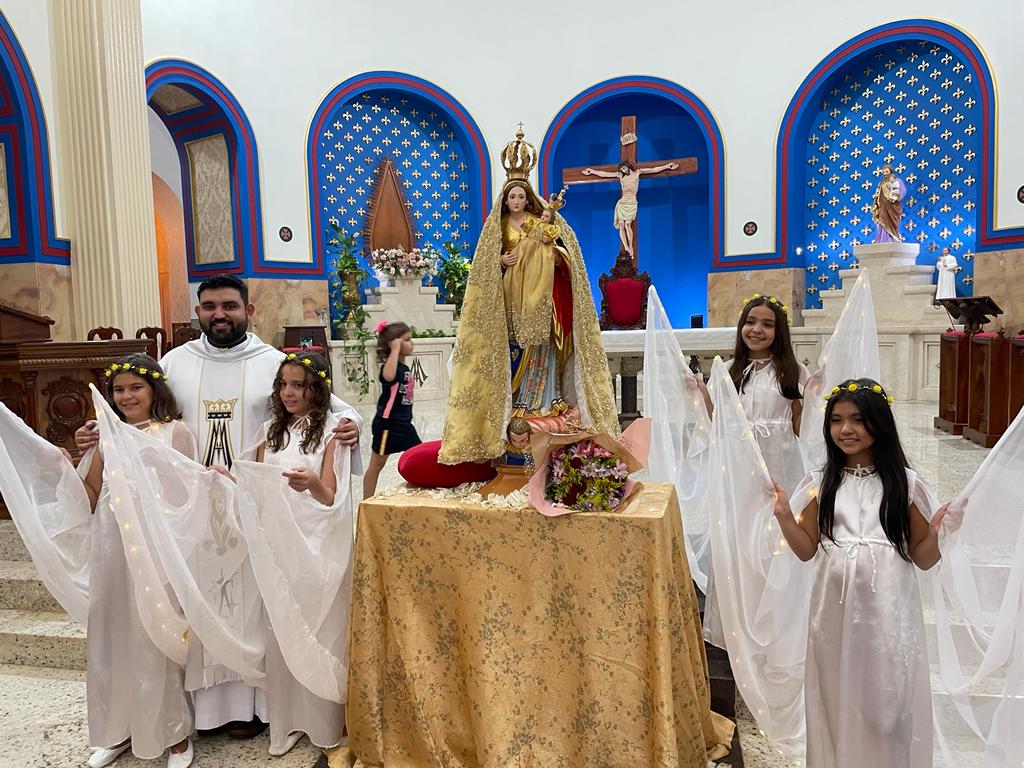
column 223, row 382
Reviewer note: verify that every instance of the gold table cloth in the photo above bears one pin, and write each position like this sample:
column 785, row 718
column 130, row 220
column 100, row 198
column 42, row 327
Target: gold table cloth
column 500, row 638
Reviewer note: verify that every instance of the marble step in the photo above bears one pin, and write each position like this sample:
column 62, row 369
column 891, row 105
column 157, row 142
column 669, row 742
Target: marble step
column 11, row 546
column 41, row 639
column 21, row 589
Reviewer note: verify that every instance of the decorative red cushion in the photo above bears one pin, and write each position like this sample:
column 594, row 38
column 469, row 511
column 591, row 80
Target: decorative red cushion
column 419, row 466
column 625, row 300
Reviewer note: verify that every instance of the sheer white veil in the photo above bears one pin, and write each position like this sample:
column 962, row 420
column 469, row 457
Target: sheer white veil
column 50, row 509
column 680, row 428
column 850, row 353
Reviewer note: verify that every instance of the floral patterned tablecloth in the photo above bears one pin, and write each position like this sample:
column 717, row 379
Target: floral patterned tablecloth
column 499, row 638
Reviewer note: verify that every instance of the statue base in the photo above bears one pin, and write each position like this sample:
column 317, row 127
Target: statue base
column 510, row 478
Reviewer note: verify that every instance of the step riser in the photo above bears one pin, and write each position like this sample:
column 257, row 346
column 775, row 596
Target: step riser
column 42, row 651
column 11, row 546
column 27, row 595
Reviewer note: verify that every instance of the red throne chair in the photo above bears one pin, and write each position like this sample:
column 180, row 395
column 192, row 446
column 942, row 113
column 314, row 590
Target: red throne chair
column 624, row 295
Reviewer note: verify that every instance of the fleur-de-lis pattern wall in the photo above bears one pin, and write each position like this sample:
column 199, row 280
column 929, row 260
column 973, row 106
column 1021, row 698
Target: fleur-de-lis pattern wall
column 913, row 106
column 429, row 156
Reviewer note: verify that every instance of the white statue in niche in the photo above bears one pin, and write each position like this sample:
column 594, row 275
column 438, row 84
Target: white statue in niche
column 948, row 267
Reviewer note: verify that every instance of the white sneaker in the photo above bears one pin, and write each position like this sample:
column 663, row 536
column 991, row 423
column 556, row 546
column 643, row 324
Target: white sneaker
column 106, row 755
column 181, row 759
column 293, row 738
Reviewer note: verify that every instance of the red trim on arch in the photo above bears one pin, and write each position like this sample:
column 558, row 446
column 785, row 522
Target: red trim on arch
column 191, row 75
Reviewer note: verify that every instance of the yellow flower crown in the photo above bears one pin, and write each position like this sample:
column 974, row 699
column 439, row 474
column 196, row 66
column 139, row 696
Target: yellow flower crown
column 853, row 386
column 141, row 370
column 294, row 358
column 774, row 302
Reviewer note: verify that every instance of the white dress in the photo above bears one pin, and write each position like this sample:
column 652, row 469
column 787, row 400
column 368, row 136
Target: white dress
column 771, row 419
column 867, row 688
column 290, row 705
column 132, row 689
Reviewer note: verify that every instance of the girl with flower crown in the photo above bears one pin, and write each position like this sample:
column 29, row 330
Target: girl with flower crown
column 135, row 677
column 136, row 694
column 296, row 515
column 864, row 520
column 393, row 430
column 770, row 381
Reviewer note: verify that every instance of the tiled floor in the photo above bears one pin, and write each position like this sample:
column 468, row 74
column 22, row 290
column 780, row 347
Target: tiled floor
column 42, row 711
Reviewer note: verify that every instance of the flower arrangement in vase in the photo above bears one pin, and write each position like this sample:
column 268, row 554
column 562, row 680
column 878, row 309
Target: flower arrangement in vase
column 398, row 263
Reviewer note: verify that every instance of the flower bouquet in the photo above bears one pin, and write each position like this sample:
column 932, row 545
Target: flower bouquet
column 587, row 471
column 396, row 262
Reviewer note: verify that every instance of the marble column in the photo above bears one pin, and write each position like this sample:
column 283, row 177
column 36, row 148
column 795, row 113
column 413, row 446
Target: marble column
column 104, row 153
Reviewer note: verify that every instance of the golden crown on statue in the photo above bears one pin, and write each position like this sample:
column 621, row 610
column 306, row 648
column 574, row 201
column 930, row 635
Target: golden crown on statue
column 518, row 157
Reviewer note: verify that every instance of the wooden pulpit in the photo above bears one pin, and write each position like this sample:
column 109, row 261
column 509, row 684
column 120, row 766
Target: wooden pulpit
column 18, row 325
column 989, row 395
column 1016, row 377
column 954, row 365
column 961, row 383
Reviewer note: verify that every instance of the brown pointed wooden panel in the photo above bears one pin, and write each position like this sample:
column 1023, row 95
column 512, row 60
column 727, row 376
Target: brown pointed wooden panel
column 388, row 225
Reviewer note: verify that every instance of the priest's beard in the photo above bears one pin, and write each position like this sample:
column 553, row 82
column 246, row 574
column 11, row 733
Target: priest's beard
column 227, row 334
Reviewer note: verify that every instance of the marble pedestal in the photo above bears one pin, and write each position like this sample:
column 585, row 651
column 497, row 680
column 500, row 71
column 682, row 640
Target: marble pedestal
column 412, row 303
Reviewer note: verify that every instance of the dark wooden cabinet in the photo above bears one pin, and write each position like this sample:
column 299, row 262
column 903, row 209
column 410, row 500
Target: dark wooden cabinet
column 1016, row 377
column 954, row 382
column 989, row 395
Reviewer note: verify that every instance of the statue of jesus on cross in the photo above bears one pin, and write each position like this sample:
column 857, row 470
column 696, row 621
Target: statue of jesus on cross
column 625, row 210
column 628, row 172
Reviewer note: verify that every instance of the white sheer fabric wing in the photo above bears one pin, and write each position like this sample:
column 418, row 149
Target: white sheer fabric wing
column 680, row 427
column 978, row 594
column 301, row 553
column 850, row 353
column 50, row 509
column 179, row 516
column 760, row 591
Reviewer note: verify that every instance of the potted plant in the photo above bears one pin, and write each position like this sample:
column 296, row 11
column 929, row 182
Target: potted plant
column 343, row 248
column 453, row 272
column 349, row 316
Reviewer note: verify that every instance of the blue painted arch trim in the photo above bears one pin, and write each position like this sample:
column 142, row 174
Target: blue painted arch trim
column 673, row 92
column 789, row 152
column 219, row 113
column 33, row 235
column 477, row 157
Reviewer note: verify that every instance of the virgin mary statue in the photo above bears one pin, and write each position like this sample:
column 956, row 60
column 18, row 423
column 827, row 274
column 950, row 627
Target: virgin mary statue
column 529, row 344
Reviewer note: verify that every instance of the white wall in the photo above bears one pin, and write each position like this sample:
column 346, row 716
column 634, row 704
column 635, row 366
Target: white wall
column 744, row 58
column 163, row 156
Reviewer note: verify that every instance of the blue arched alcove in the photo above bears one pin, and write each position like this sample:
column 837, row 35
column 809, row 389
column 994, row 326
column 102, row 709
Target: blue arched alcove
column 678, row 219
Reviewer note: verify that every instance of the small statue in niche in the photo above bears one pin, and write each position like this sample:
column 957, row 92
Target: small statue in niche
column 948, row 267
column 887, row 209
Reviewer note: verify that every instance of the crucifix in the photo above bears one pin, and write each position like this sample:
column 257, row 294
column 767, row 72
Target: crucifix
column 628, row 172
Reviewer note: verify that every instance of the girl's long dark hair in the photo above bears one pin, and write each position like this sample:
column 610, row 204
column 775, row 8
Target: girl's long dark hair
column 165, row 408
column 786, row 365
column 387, row 334
column 890, row 464
column 320, row 405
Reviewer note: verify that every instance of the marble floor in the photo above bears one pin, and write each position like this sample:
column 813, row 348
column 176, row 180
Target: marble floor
column 43, row 715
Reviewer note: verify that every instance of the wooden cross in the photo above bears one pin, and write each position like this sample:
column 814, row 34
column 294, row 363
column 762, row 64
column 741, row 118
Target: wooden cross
column 686, row 165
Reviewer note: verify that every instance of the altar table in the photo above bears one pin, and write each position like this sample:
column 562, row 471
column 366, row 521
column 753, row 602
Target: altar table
column 500, row 638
